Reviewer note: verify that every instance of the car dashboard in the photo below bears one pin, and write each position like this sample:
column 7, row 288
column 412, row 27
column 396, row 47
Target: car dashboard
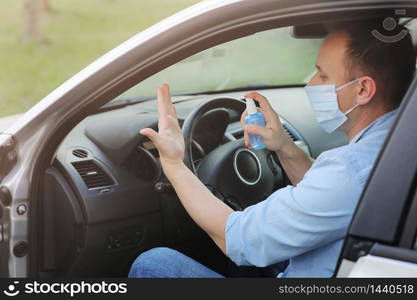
column 106, row 198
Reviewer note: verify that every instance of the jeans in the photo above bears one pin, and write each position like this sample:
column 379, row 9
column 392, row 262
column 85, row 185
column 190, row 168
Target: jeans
column 164, row 262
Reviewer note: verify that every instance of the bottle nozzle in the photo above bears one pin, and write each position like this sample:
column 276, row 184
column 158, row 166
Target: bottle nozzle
column 250, row 106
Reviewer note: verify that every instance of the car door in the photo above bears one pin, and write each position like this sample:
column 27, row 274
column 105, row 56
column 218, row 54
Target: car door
column 381, row 240
column 29, row 144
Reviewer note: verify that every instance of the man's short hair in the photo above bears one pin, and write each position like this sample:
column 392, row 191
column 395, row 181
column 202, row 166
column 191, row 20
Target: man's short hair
column 391, row 64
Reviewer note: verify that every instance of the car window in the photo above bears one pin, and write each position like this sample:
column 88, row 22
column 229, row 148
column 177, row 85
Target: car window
column 270, row 57
column 411, row 25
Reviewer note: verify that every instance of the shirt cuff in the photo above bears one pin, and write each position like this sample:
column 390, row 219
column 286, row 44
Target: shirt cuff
column 233, row 238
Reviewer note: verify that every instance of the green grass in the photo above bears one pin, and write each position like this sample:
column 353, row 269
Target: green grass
column 78, row 32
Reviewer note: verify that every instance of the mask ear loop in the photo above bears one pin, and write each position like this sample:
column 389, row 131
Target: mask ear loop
column 350, row 110
column 343, row 86
column 346, row 84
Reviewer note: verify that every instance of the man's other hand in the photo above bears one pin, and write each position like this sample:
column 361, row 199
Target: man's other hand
column 169, row 139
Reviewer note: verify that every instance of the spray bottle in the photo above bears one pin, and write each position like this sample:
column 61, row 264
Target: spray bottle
column 254, row 117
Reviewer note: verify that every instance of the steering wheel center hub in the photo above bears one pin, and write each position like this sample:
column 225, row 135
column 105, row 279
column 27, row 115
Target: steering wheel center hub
column 247, row 166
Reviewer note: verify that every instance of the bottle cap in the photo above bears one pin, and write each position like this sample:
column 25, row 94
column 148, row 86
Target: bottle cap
column 250, row 106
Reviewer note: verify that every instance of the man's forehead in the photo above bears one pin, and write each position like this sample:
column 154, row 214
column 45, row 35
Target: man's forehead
column 332, row 50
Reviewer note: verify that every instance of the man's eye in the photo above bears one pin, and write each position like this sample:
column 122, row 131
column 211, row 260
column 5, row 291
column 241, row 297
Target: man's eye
column 323, row 77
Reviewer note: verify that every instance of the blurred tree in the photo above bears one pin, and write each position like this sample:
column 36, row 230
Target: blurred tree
column 32, row 27
column 46, row 6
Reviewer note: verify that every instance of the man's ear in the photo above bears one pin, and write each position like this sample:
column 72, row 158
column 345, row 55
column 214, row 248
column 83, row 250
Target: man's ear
column 366, row 90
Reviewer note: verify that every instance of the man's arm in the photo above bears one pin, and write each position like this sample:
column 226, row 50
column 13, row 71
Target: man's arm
column 296, row 219
column 294, row 160
column 204, row 208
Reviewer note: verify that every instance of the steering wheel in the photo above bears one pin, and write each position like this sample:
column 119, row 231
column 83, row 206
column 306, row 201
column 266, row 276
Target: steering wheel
column 237, row 175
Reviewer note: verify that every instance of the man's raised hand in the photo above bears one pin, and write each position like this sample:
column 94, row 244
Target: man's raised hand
column 169, row 139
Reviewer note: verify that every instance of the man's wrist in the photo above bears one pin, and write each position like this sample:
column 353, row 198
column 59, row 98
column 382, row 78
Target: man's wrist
column 170, row 167
column 286, row 151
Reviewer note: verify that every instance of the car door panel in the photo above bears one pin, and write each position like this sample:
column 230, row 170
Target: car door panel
column 376, row 266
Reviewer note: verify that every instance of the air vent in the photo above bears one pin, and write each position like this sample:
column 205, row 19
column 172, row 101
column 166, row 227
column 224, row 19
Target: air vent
column 80, row 153
column 238, row 134
column 92, row 174
column 292, row 136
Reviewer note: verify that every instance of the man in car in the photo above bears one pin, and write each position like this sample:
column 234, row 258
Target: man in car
column 359, row 83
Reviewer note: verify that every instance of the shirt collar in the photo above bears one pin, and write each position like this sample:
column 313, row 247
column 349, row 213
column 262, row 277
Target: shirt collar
column 381, row 119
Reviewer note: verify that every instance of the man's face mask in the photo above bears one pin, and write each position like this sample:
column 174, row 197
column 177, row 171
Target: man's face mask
column 323, row 99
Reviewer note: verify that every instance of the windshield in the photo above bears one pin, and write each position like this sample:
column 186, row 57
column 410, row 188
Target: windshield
column 268, row 58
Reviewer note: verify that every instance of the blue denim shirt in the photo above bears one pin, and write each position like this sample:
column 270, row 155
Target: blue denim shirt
column 308, row 222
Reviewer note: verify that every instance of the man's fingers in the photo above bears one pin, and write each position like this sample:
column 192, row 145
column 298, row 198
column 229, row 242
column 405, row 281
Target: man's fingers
column 244, row 114
column 264, row 104
column 255, row 129
column 165, row 106
column 162, row 100
column 246, row 138
column 174, row 111
column 242, row 123
column 174, row 120
column 150, row 134
column 242, row 118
